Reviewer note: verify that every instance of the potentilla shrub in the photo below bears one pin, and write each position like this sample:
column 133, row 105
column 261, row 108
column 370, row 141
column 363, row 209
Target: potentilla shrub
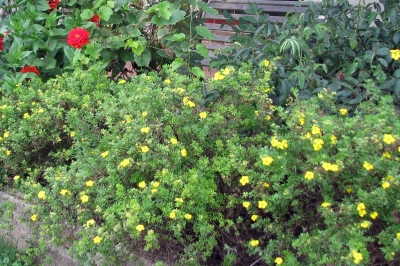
column 205, row 173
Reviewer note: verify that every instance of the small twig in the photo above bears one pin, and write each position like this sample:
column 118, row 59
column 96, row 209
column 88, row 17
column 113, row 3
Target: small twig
column 254, row 263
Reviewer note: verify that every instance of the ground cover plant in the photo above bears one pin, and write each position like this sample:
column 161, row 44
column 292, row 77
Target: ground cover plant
column 152, row 165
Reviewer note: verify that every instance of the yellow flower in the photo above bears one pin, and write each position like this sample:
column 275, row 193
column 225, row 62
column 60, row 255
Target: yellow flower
column 349, row 189
column 343, row 112
column 333, row 139
column 365, row 224
column 395, row 54
column 84, row 198
column 8, row 152
column 278, row 260
column 63, row 192
column 244, row 180
column 42, row 195
column 167, row 81
column 325, row 205
column 183, row 152
column 254, row 243
column 226, row 71
column 34, row 218
column 357, row 257
column 104, row 154
column 268, row 117
column 144, row 114
column 374, row 215
column 188, row 216
column 140, row 227
column 72, row 134
column 361, row 209
column 145, row 130
column 16, row 177
column 124, row 163
column 172, row 215
column 254, row 217
column 26, row 116
column 301, row 121
column 203, row 115
column 386, row 185
column 128, row 118
column 398, row 235
column 246, row 204
column 179, row 200
column 188, row 102
column 155, row 184
column 330, row 167
column 122, row 81
column 386, row 155
column 309, row 175
column 174, row 141
column 142, row 184
column 262, row 204
column 316, row 130
column 266, row 184
column 266, row 63
column 388, row 139
column 317, row 144
column 368, row 166
column 97, row 240
column 6, row 134
column 90, row 222
column 89, row 183
column 144, row 149
column 267, row 160
column 218, row 76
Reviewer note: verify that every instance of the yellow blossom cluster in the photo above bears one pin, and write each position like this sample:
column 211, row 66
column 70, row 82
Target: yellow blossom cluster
column 357, row 256
column 188, row 102
column 362, row 210
column 309, row 175
column 317, row 144
column 244, row 180
column 330, row 167
column 395, row 54
column 368, row 166
column 279, row 144
column 267, row 160
column 388, row 139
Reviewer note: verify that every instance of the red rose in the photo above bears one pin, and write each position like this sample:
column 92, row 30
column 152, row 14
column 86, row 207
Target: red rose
column 1, row 44
column 53, row 3
column 27, row 69
column 95, row 19
column 78, row 37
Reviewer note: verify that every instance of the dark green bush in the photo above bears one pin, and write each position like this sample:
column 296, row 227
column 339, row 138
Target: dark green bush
column 340, row 52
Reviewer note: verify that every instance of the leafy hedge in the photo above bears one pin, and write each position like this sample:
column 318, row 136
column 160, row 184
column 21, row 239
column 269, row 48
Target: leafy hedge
column 206, row 173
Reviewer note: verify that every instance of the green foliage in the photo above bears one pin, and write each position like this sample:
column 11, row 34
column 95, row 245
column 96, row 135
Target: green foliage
column 9, row 254
column 149, row 36
column 339, row 51
column 180, row 166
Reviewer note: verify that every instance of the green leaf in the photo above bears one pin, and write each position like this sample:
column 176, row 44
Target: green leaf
column 204, row 32
column 69, row 53
column 202, row 50
column 143, row 59
column 177, row 63
column 98, row 4
column 110, row 4
column 120, row 3
column 371, row 17
column 163, row 10
column 161, row 32
column 353, row 41
column 87, row 14
column 383, row 62
column 397, row 88
column 177, row 37
column 353, row 67
column 382, row 51
column 116, row 18
column 396, row 37
column 396, row 74
column 137, row 47
column 42, row 5
column 58, row 32
column 198, row 72
column 203, row 6
column 90, row 51
column 105, row 13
